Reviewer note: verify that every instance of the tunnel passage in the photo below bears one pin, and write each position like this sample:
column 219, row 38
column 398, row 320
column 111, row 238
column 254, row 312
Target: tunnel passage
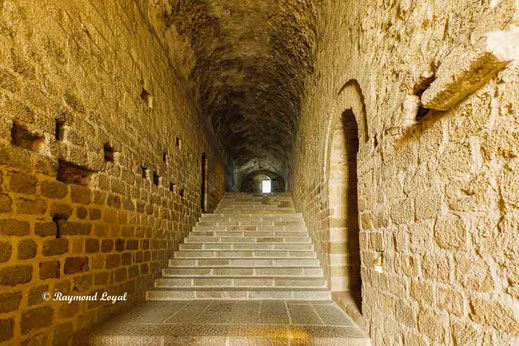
column 253, row 182
column 252, row 96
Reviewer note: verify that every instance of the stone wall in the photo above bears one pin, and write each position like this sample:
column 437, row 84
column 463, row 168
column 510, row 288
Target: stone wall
column 437, row 186
column 100, row 154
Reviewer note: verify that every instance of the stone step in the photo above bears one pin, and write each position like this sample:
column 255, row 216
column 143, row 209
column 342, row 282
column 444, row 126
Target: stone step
column 247, row 246
column 247, row 233
column 231, row 217
column 258, row 199
column 239, row 281
column 250, row 211
column 287, row 239
column 272, row 293
column 263, row 228
column 244, row 254
column 244, row 271
column 275, row 207
column 244, row 262
column 292, row 223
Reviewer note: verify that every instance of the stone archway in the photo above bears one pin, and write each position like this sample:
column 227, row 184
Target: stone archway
column 345, row 150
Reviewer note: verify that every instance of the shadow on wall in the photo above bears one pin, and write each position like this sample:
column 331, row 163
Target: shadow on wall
column 253, row 182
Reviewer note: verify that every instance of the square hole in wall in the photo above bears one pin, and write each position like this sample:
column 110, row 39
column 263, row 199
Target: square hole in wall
column 60, row 130
column 182, row 193
column 178, row 142
column 58, row 220
column 109, row 153
column 144, row 172
column 70, row 173
column 21, row 137
column 172, row 186
column 147, row 98
column 165, row 157
column 156, row 179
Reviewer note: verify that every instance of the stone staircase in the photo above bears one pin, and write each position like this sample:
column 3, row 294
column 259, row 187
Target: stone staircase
column 254, row 247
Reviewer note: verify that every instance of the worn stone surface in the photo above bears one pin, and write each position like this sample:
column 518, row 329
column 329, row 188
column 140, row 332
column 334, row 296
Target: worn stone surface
column 230, row 322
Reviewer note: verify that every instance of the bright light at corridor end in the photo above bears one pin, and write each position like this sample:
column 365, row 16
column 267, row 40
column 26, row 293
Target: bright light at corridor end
column 266, row 186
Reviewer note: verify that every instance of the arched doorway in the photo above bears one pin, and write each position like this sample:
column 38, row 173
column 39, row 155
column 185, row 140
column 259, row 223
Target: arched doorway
column 343, row 208
column 203, row 188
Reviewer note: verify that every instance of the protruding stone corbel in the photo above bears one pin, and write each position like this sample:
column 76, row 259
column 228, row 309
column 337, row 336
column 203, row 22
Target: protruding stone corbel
column 463, row 72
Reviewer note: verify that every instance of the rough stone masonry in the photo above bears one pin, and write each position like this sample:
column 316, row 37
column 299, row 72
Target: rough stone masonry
column 393, row 123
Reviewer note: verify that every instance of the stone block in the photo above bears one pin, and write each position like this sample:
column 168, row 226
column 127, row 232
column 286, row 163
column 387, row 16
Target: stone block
column 55, row 247
column 49, row 270
column 5, row 251
column 35, row 295
column 450, row 233
column 46, row 229
column 15, row 275
column 433, row 325
column 473, row 273
column 35, row 319
column 26, row 249
column 492, row 313
column 9, row 227
column 10, row 301
column 5, row 203
column 53, row 189
column 6, row 328
column 61, row 210
column 80, row 194
column 91, row 245
column 75, row 228
column 30, row 206
column 22, row 183
column 75, row 265
column 450, row 300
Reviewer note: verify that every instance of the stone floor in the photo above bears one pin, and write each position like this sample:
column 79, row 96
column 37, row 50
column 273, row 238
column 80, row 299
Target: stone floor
column 224, row 322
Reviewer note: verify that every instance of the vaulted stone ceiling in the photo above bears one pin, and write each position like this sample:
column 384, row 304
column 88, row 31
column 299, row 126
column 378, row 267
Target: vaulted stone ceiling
column 251, row 60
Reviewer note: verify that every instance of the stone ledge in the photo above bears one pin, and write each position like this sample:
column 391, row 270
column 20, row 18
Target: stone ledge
column 465, row 70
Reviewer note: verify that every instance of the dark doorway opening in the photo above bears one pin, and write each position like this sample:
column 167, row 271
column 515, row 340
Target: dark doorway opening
column 343, row 199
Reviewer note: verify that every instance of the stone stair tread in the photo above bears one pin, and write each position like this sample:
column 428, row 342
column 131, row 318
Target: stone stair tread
column 284, row 265
column 237, row 267
column 240, row 277
column 270, row 257
column 246, row 254
column 239, row 293
column 281, row 276
column 241, row 288
column 225, row 250
column 243, row 247
column 243, row 238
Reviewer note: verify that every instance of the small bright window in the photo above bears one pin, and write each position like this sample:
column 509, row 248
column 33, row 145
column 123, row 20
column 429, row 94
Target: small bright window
column 266, row 186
